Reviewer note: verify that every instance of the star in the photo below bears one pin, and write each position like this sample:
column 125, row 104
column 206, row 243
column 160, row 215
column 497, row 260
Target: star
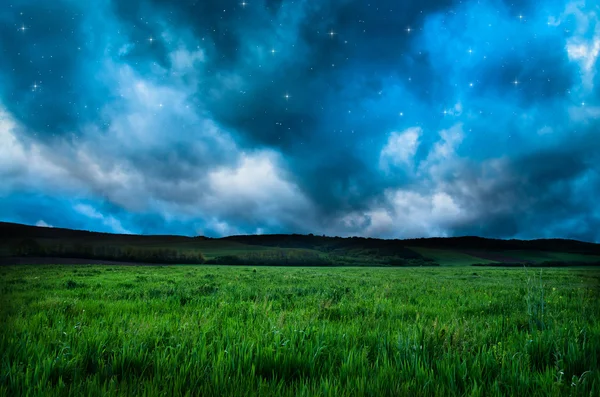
column 401, row 114
column 408, row 29
column 244, row 4
column 287, row 96
column 470, row 84
column 150, row 40
column 516, row 82
column 273, row 51
column 331, row 33
column 470, row 51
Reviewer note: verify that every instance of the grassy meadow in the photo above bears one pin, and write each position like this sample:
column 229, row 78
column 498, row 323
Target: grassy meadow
column 224, row 330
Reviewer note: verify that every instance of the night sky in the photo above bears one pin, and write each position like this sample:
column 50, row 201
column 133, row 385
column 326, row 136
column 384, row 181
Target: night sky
column 387, row 119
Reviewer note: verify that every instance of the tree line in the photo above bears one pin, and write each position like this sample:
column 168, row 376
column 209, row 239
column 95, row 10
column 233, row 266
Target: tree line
column 297, row 257
column 32, row 248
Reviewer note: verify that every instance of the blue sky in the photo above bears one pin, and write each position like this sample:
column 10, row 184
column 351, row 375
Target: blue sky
column 384, row 119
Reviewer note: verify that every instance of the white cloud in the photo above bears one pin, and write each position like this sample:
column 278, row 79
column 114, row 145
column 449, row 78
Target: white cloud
column 583, row 46
column 586, row 53
column 448, row 191
column 406, row 213
column 446, row 147
column 443, row 155
column 24, row 162
column 545, row 130
column 456, row 110
column 256, row 182
column 109, row 220
column 41, row 223
column 400, row 149
column 429, row 208
column 184, row 61
column 584, row 113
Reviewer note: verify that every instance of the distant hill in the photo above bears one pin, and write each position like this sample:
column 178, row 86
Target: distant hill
column 22, row 241
column 466, row 243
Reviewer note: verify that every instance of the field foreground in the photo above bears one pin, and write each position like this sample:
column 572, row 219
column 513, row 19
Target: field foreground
column 212, row 330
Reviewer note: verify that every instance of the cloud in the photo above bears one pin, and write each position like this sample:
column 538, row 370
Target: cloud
column 90, row 212
column 41, row 223
column 405, row 213
column 256, row 184
column 400, row 148
column 583, row 46
column 478, row 125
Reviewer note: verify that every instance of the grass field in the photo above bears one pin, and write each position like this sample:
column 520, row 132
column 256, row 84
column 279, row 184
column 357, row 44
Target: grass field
column 215, row 330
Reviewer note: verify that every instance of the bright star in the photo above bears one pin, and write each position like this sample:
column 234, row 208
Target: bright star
column 470, row 51
column 150, row 40
column 287, row 96
column 273, row 51
column 331, row 33
column 470, row 84
column 515, row 82
column 401, row 114
column 244, row 4
column 22, row 28
column 408, row 29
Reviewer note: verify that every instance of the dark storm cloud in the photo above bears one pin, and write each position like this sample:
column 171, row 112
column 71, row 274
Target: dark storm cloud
column 533, row 195
column 326, row 76
column 47, row 80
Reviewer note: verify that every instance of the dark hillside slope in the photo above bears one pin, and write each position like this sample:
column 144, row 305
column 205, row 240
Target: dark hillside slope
column 357, row 245
column 479, row 243
column 18, row 240
column 18, row 231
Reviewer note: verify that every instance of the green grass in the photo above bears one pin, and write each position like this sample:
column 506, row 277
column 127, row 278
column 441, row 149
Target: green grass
column 449, row 257
column 543, row 256
column 216, row 330
column 567, row 257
